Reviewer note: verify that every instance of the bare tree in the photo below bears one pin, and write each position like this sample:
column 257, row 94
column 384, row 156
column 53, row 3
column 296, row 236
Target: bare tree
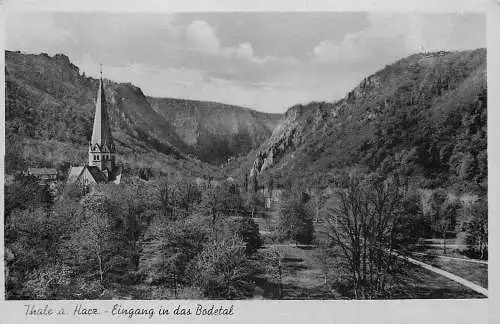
column 477, row 228
column 363, row 224
column 96, row 232
column 443, row 214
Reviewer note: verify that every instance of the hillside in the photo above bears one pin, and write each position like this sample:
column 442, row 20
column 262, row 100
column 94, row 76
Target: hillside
column 216, row 131
column 424, row 115
column 49, row 112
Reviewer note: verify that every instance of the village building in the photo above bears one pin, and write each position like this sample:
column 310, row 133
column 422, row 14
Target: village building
column 45, row 175
column 47, row 181
column 101, row 166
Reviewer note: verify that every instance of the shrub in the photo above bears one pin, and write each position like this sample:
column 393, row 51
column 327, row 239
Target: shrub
column 249, row 232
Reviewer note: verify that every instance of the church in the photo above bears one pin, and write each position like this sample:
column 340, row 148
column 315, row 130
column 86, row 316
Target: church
column 101, row 166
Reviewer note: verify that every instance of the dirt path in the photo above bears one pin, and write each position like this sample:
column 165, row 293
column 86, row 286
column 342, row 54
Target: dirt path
column 447, row 274
column 450, row 258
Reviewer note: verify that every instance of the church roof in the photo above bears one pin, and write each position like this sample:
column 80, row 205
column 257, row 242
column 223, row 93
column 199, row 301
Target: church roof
column 97, row 174
column 75, row 173
column 101, row 133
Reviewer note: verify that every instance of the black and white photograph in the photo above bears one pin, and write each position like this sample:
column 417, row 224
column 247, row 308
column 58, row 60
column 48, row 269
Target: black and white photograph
column 245, row 156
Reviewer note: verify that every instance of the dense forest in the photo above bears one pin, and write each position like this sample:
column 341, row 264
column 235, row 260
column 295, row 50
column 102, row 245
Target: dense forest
column 154, row 234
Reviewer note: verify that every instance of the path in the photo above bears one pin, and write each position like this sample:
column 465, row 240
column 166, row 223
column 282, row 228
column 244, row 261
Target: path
column 446, row 274
column 450, row 258
column 300, row 246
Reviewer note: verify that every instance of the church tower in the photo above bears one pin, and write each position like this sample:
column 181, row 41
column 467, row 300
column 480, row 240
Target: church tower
column 101, row 167
column 101, row 148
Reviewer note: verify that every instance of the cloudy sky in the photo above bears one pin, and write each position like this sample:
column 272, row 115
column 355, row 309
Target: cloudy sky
column 265, row 61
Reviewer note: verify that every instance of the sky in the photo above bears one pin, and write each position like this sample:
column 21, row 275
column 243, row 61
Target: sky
column 265, row 61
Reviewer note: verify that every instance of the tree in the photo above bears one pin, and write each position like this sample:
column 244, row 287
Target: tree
column 443, row 214
column 317, row 197
column 249, row 232
column 30, row 237
column 467, row 167
column 220, row 201
column 23, row 193
column 52, row 281
column 274, row 266
column 245, row 180
column 211, row 205
column 477, row 229
column 254, row 202
column 169, row 247
column 414, row 224
column 100, row 238
column 296, row 221
column 145, row 173
column 223, row 271
column 74, row 191
column 364, row 224
column 447, row 221
column 166, row 192
column 255, row 184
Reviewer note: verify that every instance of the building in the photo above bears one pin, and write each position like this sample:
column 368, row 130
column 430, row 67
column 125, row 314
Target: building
column 45, row 175
column 101, row 166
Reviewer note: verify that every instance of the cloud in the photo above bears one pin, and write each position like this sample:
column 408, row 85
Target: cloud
column 33, row 32
column 250, row 59
column 391, row 36
column 244, row 50
column 326, row 51
column 201, row 36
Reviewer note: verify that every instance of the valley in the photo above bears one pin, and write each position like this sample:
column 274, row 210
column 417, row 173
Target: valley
column 218, row 201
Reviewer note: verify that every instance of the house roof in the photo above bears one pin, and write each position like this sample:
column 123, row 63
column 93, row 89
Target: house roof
column 42, row 171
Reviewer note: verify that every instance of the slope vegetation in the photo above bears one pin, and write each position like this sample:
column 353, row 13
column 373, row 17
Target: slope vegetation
column 425, row 114
column 50, row 106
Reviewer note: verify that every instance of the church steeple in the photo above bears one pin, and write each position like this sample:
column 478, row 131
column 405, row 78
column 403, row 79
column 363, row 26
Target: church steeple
column 102, row 149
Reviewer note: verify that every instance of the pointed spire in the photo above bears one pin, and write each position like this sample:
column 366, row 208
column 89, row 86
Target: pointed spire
column 101, row 133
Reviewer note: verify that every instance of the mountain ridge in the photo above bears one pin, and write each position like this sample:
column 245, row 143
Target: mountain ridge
column 413, row 108
column 49, row 99
column 199, row 122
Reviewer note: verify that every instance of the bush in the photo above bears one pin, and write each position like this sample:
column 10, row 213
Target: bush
column 222, row 271
column 249, row 232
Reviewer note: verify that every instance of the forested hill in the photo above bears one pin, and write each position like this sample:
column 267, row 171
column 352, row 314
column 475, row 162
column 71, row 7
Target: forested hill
column 49, row 113
column 216, row 131
column 424, row 115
